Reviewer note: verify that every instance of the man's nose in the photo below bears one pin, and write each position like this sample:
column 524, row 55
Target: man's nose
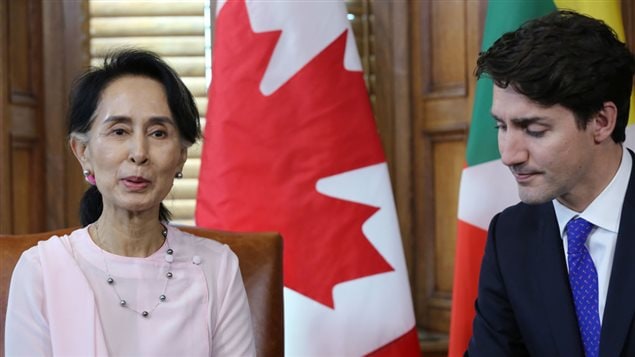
column 512, row 148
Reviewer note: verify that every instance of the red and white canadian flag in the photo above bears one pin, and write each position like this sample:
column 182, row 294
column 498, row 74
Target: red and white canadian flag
column 291, row 146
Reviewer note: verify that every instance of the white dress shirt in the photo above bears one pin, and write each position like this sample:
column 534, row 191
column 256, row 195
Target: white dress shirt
column 604, row 212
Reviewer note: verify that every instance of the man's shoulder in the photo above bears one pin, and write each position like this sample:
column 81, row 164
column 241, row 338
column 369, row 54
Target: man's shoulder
column 516, row 228
column 525, row 214
column 522, row 208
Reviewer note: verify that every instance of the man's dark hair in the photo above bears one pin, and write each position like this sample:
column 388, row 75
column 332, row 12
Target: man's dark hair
column 565, row 58
column 86, row 94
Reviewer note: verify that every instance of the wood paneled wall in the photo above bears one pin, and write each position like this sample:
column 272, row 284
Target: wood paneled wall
column 40, row 53
column 65, row 51
column 446, row 42
column 5, row 148
column 21, row 130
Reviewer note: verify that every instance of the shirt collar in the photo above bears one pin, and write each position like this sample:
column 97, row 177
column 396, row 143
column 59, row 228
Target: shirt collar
column 597, row 212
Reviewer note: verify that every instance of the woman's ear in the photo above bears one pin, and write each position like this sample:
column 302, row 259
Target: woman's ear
column 604, row 122
column 183, row 158
column 80, row 150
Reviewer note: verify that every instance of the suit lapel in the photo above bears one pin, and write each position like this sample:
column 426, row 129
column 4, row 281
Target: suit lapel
column 553, row 278
column 620, row 304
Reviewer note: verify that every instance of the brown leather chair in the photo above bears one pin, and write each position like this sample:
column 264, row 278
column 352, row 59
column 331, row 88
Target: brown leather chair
column 260, row 256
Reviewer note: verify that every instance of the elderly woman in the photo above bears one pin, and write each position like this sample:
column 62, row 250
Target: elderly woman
column 128, row 283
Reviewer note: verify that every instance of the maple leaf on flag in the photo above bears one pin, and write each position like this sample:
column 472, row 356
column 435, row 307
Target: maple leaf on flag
column 263, row 156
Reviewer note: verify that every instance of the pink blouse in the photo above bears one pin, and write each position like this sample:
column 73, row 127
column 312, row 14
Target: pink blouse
column 61, row 304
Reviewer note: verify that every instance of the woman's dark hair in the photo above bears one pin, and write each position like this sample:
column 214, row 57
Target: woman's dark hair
column 86, row 93
column 565, row 58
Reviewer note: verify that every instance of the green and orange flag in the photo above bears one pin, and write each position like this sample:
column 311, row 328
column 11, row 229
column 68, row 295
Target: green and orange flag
column 486, row 185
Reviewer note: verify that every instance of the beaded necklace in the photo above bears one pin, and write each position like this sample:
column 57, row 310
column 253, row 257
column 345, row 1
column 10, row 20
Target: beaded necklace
column 169, row 258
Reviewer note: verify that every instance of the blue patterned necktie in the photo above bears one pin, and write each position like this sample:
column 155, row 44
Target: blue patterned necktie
column 584, row 284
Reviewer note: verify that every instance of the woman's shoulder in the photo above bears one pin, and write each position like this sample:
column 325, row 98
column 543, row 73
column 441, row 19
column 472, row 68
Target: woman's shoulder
column 33, row 252
column 195, row 245
column 32, row 257
column 62, row 240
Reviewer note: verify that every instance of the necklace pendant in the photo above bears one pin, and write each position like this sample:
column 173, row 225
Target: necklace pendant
column 145, row 314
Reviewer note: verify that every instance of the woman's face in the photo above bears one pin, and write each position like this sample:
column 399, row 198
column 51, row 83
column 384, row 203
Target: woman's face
column 134, row 149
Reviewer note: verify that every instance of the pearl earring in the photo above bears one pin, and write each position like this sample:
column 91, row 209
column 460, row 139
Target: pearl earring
column 90, row 178
column 179, row 175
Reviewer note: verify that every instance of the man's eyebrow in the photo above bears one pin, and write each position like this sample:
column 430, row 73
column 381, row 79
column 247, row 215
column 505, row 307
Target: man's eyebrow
column 527, row 121
column 521, row 121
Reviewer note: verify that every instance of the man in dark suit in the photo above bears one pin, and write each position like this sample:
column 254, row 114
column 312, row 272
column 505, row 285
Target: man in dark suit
column 558, row 274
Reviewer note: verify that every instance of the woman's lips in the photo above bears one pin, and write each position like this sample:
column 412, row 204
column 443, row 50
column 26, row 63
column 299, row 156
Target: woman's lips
column 135, row 183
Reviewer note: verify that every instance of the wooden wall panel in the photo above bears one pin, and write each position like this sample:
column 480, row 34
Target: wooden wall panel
column 37, row 47
column 22, row 172
column 5, row 151
column 65, row 53
column 447, row 161
column 19, row 42
column 444, row 72
column 23, row 120
column 445, row 43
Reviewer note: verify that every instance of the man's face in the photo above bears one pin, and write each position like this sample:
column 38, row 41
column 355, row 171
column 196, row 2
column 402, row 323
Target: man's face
column 549, row 156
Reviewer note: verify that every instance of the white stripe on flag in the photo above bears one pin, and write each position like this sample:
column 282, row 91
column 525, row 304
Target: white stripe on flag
column 486, row 189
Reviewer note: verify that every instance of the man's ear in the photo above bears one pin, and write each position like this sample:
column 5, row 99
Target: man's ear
column 80, row 150
column 604, row 122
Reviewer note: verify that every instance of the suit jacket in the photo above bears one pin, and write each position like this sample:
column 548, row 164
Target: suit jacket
column 525, row 306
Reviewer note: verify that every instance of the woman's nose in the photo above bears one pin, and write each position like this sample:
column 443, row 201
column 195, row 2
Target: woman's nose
column 138, row 150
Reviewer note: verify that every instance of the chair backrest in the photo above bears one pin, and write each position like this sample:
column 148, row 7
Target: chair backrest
column 260, row 256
